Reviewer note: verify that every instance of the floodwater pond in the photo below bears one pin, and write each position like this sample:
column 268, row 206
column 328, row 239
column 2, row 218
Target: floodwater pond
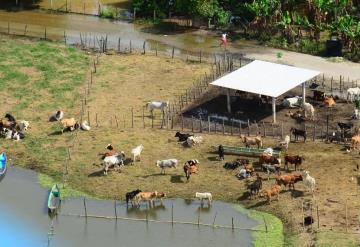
column 26, row 223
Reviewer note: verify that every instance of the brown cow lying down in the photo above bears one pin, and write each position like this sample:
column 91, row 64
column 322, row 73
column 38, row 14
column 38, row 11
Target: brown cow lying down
column 288, row 180
column 268, row 193
column 148, row 196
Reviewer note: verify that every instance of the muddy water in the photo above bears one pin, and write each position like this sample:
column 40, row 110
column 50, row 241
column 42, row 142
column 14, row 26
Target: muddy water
column 73, row 24
column 24, row 220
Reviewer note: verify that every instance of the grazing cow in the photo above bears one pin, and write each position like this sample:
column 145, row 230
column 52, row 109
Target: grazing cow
column 352, row 93
column 182, row 137
column 292, row 102
column 268, row 159
column 285, row 142
column 318, row 95
column 85, row 126
column 235, row 164
column 256, row 186
column 309, row 109
column 136, row 152
column 190, row 167
column 57, row 116
column 116, row 161
column 269, row 168
column 309, row 181
column 69, row 123
column 289, row 180
column 194, row 140
column 252, row 141
column 329, row 101
column 355, row 140
column 269, row 193
column 204, row 196
column 297, row 133
column 221, row 152
column 130, row 196
column 296, row 160
column 161, row 105
column 166, row 164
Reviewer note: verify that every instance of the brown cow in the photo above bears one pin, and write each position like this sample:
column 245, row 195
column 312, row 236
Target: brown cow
column 268, row 159
column 274, row 191
column 288, row 180
column 148, row 196
column 329, row 101
column 295, row 159
column 190, row 169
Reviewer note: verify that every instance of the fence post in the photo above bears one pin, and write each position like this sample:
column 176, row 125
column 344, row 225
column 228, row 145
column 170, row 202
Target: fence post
column 209, row 126
column 240, row 127
column 282, row 130
column 132, row 117
column 156, row 48
column 346, row 215
column 200, row 56
column 152, row 119
column 213, row 224
column 45, row 34
column 331, row 84
column 192, row 124
column 318, row 217
column 144, row 47
column 119, row 42
column 88, row 115
column 232, row 126
column 314, row 133
column 182, row 122
column 248, row 125
column 115, row 209
column 143, row 116
column 85, row 207
column 223, row 126
column 263, row 124
column 8, row 27
column 96, row 119
column 130, row 47
column 65, row 37
column 172, row 53
column 172, row 214
column 25, row 29
column 198, row 220
column 117, row 123
column 200, row 124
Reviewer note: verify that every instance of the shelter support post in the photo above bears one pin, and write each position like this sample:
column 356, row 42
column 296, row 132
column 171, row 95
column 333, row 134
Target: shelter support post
column 228, row 100
column 303, row 93
column 274, row 109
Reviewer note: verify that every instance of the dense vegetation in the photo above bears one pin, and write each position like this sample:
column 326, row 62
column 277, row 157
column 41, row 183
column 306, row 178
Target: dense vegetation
column 304, row 24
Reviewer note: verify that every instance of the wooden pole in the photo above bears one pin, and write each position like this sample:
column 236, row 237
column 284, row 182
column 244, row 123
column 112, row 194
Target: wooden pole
column 156, row 49
column 152, row 119
column 232, row 126
column 346, row 215
column 209, row 126
column 266, row 227
column 318, row 217
column 115, row 209
column 198, row 220
column 116, row 121
column 214, row 219
column 182, row 122
column 96, row 119
column 143, row 116
column 132, row 117
column 172, row 53
column 88, row 115
column 200, row 122
column 172, row 214
column 45, row 34
column 144, row 45
column 223, row 127
column 248, row 125
column 192, row 124
column 130, row 47
column 25, row 29
column 85, row 207
column 232, row 223
column 8, row 27
column 119, row 42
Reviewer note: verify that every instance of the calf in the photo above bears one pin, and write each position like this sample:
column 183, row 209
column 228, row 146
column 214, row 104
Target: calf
column 235, row 164
column 268, row 159
column 329, row 101
column 269, row 193
column 289, row 180
column 318, row 95
column 256, row 186
column 355, row 140
column 269, row 168
column 309, row 181
column 57, row 116
column 166, row 164
column 145, row 196
column 285, row 142
column 297, row 133
column 191, row 167
column 204, row 196
column 296, row 160
column 182, row 137
column 345, row 126
column 130, row 196
column 291, row 102
column 136, row 152
column 194, row 140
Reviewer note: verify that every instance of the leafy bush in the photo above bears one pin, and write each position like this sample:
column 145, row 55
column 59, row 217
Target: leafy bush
column 109, row 12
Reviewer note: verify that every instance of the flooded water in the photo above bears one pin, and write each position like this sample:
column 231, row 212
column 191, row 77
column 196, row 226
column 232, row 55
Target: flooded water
column 33, row 23
column 25, row 222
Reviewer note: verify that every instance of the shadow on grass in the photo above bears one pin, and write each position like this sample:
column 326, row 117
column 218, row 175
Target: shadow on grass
column 55, row 133
column 99, row 173
column 297, row 193
column 259, row 204
column 213, row 158
column 244, row 196
column 176, row 179
column 152, row 175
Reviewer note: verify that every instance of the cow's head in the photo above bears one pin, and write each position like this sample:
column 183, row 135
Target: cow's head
column 177, row 134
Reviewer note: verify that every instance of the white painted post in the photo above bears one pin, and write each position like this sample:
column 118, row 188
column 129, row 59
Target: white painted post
column 228, row 101
column 303, row 92
column 274, row 109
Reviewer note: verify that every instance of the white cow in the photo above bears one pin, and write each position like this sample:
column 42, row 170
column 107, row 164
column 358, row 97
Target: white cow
column 352, row 93
column 136, row 152
column 85, row 126
column 285, row 142
column 309, row 109
column 116, row 160
column 161, row 105
column 193, row 140
column 166, row 164
column 292, row 102
column 204, row 196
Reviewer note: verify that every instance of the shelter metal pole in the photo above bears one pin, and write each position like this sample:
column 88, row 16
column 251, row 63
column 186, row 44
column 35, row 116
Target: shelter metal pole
column 274, row 109
column 228, row 100
column 303, row 93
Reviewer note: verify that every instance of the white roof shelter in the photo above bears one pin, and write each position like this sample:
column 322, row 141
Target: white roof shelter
column 265, row 78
